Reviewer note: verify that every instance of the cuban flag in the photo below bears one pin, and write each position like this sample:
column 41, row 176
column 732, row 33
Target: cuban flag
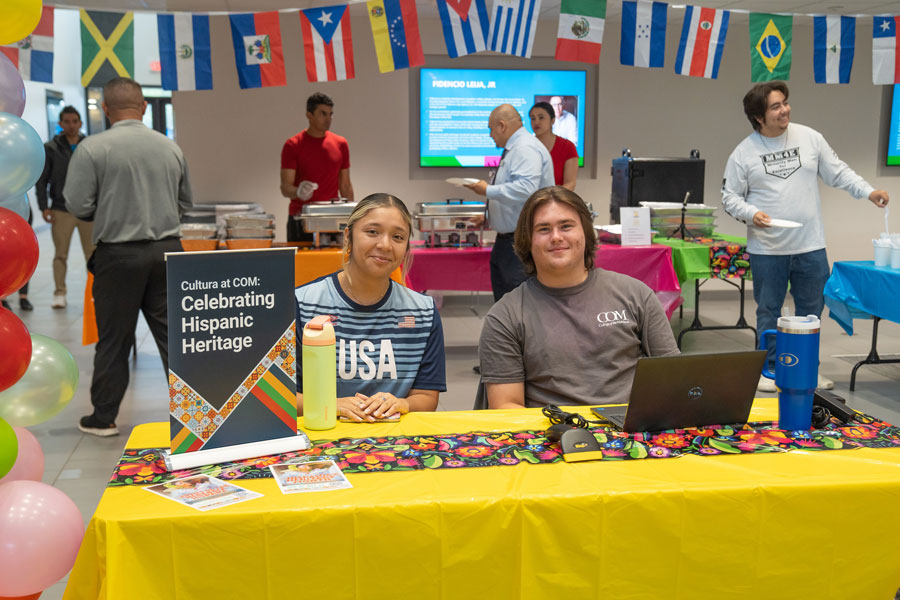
column 34, row 54
column 184, row 53
column 257, row 49
column 702, row 42
column 465, row 25
column 834, row 40
column 884, row 50
column 327, row 43
column 643, row 34
column 513, row 23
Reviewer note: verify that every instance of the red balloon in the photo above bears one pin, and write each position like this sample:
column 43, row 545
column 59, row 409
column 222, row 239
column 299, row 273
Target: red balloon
column 18, row 252
column 34, row 596
column 15, row 348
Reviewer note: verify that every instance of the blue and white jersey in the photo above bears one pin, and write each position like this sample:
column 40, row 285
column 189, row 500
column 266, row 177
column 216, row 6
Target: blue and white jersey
column 393, row 346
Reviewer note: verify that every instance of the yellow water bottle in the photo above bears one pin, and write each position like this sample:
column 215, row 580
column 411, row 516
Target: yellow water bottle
column 319, row 374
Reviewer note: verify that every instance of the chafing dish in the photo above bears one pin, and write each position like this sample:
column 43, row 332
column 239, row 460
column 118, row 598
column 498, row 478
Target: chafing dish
column 326, row 217
column 250, row 220
column 456, row 217
column 250, row 232
column 665, row 217
column 666, row 209
column 198, row 231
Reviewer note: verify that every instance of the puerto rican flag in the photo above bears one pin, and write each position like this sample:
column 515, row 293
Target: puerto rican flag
column 34, row 54
column 885, row 66
column 257, row 49
column 327, row 43
column 702, row 42
column 465, row 24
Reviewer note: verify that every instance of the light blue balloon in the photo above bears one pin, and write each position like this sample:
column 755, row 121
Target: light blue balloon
column 17, row 204
column 21, row 156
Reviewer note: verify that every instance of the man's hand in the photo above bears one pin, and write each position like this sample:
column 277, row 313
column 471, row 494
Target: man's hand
column 48, row 215
column 761, row 219
column 305, row 189
column 879, row 198
column 479, row 187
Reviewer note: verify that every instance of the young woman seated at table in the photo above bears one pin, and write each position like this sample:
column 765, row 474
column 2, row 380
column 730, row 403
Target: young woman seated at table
column 390, row 344
column 562, row 151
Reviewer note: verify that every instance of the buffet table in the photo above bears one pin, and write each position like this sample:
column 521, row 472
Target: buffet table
column 745, row 526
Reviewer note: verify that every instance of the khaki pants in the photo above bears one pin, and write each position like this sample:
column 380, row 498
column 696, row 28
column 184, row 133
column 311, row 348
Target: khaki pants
column 61, row 229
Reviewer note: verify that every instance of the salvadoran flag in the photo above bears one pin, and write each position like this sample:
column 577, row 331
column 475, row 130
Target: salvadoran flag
column 465, row 25
column 513, row 23
column 34, row 55
column 834, row 40
column 327, row 43
column 257, row 49
column 702, row 42
column 184, row 51
column 885, row 66
column 643, row 41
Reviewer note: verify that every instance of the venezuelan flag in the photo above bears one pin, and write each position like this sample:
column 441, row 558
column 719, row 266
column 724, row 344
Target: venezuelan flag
column 395, row 27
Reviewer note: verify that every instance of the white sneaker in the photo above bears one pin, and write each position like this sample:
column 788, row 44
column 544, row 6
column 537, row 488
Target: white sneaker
column 824, row 383
column 766, row 385
column 59, row 301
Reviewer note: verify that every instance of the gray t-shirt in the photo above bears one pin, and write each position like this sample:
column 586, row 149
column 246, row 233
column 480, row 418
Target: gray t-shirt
column 576, row 345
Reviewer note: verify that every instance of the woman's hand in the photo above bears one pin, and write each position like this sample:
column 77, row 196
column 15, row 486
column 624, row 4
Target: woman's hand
column 369, row 408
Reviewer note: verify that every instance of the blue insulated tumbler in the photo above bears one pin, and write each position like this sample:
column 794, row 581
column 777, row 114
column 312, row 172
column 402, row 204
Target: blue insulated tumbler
column 796, row 368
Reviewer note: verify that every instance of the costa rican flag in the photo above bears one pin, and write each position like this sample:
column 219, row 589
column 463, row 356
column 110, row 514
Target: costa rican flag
column 327, row 43
column 34, row 55
column 257, row 49
column 513, row 23
column 702, row 42
column 184, row 52
column 885, row 66
column 465, row 25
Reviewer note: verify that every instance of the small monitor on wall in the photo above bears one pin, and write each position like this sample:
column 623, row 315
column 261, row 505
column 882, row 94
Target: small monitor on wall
column 454, row 106
column 893, row 149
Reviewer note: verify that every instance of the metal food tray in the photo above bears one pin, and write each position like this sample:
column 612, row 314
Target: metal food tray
column 449, row 215
column 250, row 220
column 198, row 231
column 250, row 232
column 321, row 217
column 665, row 209
column 689, row 219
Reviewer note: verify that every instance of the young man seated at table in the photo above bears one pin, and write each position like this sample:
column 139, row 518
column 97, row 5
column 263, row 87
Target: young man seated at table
column 571, row 334
column 390, row 344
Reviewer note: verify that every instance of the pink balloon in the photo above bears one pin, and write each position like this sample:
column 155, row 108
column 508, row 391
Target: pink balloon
column 12, row 88
column 41, row 531
column 30, row 460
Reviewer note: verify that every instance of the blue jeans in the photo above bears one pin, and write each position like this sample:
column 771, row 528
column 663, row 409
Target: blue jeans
column 806, row 273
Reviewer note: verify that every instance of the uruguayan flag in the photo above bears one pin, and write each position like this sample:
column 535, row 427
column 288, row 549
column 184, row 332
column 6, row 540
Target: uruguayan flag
column 834, row 39
column 513, row 23
column 184, row 53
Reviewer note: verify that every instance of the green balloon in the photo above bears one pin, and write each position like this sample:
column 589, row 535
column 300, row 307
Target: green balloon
column 9, row 448
column 46, row 387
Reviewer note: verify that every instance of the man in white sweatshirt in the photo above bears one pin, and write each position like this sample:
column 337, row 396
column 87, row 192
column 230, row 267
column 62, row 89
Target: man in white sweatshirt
column 770, row 178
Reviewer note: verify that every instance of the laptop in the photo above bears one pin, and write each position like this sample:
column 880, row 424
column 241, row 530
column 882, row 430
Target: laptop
column 688, row 390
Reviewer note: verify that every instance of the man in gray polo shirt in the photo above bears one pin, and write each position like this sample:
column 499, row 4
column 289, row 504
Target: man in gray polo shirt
column 133, row 183
column 572, row 334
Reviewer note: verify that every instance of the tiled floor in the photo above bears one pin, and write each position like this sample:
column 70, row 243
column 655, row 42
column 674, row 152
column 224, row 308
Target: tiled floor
column 80, row 464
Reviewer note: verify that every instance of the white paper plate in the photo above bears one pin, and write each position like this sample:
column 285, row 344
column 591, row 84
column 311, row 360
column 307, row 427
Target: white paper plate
column 461, row 180
column 784, row 223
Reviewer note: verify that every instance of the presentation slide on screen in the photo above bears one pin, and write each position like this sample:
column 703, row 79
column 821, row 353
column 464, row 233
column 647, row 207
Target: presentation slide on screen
column 455, row 105
column 893, row 153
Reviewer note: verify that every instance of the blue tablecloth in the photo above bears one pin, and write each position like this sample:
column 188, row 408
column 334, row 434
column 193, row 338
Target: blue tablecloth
column 859, row 289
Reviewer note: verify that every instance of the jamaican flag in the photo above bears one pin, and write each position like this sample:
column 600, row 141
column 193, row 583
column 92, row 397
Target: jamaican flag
column 107, row 46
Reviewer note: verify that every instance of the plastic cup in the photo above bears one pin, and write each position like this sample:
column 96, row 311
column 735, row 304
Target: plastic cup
column 895, row 258
column 882, row 256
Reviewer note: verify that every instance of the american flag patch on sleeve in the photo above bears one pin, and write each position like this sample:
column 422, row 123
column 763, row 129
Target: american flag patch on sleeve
column 407, row 322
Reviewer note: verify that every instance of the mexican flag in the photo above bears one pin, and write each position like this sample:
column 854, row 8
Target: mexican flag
column 580, row 30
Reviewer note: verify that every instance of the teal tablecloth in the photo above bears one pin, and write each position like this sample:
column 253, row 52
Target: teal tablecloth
column 859, row 289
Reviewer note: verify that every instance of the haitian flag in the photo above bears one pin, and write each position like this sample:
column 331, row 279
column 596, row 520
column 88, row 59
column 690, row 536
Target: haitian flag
column 184, row 51
column 257, row 49
column 395, row 28
column 327, row 43
column 702, row 42
column 643, row 41
column 885, row 66
column 34, row 55
column 465, row 25
column 513, row 23
column 834, row 42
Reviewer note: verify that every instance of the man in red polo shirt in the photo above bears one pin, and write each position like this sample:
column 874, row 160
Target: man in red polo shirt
column 315, row 165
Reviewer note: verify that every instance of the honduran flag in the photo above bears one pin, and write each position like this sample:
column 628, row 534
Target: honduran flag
column 834, row 40
column 395, row 29
column 257, row 49
column 327, row 43
column 34, row 54
column 702, row 42
column 465, row 24
column 513, row 23
column 184, row 52
column 643, row 42
column 885, row 66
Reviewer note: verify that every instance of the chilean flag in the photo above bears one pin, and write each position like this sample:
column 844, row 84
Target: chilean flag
column 885, row 66
column 257, row 49
column 465, row 24
column 702, row 42
column 327, row 42
column 34, row 54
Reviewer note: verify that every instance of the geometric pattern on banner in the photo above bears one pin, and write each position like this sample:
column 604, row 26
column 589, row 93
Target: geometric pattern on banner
column 269, row 382
column 33, row 55
column 107, row 46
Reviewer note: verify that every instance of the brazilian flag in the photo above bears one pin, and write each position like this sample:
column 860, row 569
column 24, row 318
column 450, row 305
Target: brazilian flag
column 770, row 46
column 107, row 46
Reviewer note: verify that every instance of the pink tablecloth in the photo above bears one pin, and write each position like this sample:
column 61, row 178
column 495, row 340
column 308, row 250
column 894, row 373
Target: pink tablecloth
column 468, row 269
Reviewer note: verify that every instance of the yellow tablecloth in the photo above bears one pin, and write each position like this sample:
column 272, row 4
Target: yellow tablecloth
column 794, row 525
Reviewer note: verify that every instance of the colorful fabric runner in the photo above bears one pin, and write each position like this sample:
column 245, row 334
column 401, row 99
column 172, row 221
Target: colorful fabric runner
column 721, row 256
column 483, row 449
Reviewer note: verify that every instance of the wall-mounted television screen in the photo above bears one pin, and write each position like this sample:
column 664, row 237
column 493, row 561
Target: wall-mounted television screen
column 455, row 104
column 893, row 151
